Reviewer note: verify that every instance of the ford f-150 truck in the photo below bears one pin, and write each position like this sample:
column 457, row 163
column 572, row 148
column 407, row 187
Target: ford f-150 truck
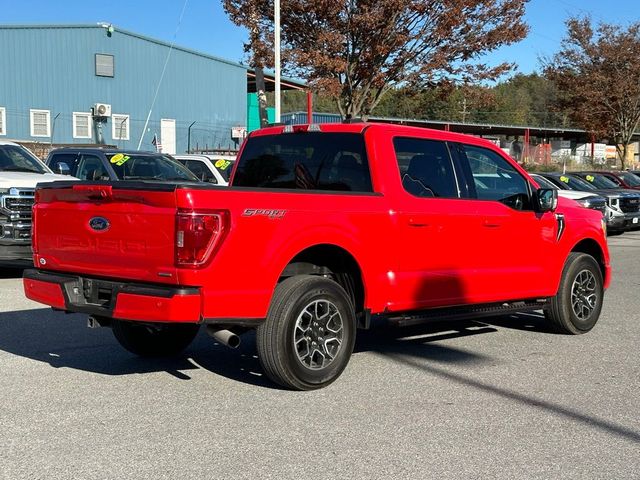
column 324, row 226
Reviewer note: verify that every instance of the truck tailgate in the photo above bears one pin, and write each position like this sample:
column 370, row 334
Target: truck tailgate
column 124, row 231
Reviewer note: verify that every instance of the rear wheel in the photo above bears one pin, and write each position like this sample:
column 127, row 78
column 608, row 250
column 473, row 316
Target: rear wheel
column 307, row 338
column 576, row 307
column 154, row 340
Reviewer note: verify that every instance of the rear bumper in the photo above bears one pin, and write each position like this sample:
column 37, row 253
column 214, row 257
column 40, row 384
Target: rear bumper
column 121, row 300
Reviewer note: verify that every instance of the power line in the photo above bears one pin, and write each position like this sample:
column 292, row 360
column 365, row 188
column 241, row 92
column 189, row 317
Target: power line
column 164, row 69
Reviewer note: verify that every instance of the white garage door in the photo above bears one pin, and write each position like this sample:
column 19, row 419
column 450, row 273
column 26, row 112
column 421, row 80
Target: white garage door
column 168, row 135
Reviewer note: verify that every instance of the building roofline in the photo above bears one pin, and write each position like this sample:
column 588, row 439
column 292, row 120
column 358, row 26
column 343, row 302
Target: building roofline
column 443, row 123
column 124, row 32
column 483, row 125
column 269, row 78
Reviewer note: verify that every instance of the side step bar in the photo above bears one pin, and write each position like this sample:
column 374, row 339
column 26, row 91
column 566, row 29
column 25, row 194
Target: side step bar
column 466, row 312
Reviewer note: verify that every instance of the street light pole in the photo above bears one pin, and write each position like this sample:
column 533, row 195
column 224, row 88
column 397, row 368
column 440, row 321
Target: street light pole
column 277, row 58
column 53, row 129
column 189, row 137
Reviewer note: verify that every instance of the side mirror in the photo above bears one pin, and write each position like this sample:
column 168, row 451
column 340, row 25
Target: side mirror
column 546, row 199
column 63, row 169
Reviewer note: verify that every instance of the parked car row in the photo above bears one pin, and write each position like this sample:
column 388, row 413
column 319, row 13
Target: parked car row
column 113, row 164
column 621, row 196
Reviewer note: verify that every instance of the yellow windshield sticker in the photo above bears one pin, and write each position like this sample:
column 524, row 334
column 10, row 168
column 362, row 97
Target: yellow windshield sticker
column 591, row 178
column 119, row 159
column 564, row 179
column 222, row 164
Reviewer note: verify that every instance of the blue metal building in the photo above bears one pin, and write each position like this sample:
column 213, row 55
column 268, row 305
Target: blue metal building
column 54, row 78
column 300, row 118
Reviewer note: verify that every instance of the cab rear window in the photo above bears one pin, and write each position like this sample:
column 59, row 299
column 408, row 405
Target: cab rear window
column 305, row 161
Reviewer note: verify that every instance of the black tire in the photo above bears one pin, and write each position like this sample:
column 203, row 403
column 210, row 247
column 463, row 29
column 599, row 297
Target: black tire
column 572, row 297
column 154, row 340
column 295, row 303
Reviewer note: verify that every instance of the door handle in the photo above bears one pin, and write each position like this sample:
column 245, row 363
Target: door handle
column 417, row 222
column 491, row 224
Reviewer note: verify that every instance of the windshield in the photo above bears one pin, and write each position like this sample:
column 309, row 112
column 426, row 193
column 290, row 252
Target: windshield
column 576, row 183
column 630, row 179
column 129, row 166
column 223, row 166
column 544, row 183
column 599, row 181
column 14, row 158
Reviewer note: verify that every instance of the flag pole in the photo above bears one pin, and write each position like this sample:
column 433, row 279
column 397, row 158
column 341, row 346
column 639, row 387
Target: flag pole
column 277, row 59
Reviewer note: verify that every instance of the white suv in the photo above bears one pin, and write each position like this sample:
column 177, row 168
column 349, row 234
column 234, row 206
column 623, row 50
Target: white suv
column 214, row 169
column 20, row 172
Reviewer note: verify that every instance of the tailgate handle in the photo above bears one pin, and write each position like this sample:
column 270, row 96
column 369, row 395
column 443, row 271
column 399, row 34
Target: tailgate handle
column 95, row 191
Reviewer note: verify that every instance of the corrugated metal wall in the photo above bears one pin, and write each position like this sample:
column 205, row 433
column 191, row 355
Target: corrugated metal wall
column 53, row 68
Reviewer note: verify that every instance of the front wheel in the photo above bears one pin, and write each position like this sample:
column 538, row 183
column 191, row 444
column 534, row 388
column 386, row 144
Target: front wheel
column 154, row 340
column 576, row 307
column 307, row 338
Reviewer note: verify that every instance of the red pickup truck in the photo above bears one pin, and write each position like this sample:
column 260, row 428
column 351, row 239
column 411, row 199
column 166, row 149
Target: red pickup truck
column 324, row 226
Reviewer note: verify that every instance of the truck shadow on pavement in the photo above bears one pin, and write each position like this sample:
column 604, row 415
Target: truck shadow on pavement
column 64, row 341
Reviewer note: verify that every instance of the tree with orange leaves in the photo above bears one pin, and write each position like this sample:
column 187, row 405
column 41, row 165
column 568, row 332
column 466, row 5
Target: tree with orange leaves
column 357, row 50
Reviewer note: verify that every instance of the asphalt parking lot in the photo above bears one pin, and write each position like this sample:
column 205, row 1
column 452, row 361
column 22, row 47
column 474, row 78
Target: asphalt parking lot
column 503, row 398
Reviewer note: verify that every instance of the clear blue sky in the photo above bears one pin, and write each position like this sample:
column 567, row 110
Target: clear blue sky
column 205, row 26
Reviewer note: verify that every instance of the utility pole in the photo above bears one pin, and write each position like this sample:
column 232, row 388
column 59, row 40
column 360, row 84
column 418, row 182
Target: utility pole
column 277, row 58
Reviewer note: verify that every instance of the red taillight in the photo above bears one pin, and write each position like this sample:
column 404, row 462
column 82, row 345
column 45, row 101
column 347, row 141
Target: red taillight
column 198, row 235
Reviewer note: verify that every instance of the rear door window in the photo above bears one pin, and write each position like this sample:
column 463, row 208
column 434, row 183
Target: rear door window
column 426, row 169
column 305, row 161
column 90, row 167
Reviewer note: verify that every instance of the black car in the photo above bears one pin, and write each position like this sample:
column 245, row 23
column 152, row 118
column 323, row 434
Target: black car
column 96, row 164
column 623, row 206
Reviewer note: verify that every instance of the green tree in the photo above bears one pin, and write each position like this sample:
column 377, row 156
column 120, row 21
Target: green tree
column 598, row 79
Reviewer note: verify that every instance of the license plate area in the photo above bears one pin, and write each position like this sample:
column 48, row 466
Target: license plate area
column 97, row 293
column 89, row 293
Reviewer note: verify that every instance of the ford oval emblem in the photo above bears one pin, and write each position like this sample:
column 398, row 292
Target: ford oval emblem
column 99, row 224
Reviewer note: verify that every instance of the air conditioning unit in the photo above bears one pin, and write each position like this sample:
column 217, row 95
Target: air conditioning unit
column 101, row 110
